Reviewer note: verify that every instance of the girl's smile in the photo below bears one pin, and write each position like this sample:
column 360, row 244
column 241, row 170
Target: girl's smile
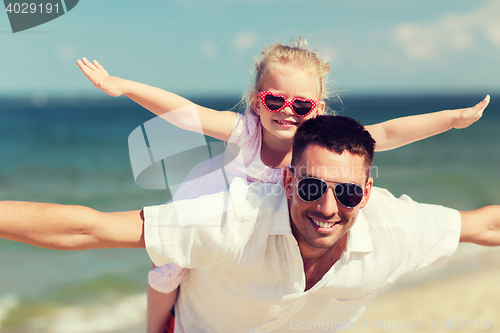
column 287, row 123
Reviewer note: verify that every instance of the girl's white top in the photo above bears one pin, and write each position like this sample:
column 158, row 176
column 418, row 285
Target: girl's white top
column 247, row 134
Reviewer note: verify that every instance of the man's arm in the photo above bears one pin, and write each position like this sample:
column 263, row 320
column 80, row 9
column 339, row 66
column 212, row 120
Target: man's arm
column 481, row 226
column 63, row 227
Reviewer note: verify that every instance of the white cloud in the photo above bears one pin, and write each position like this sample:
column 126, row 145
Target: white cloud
column 451, row 33
column 245, row 40
column 67, row 53
column 493, row 33
column 209, row 49
column 418, row 42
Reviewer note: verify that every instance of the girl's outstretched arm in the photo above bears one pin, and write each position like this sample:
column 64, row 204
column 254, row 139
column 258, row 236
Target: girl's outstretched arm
column 402, row 131
column 214, row 123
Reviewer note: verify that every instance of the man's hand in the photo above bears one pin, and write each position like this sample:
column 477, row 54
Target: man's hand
column 111, row 85
column 481, row 226
column 467, row 116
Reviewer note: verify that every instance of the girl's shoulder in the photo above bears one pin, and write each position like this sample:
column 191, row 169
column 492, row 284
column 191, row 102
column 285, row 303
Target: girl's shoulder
column 246, row 129
column 247, row 134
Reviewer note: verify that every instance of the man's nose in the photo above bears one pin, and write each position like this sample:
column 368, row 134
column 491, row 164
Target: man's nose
column 327, row 204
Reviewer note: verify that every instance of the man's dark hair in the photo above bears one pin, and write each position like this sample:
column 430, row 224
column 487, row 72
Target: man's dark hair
column 336, row 133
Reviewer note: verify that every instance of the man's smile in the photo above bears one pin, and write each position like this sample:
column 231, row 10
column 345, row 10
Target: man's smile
column 323, row 226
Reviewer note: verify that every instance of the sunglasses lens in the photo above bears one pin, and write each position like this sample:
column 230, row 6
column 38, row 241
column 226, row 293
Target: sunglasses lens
column 349, row 195
column 302, row 107
column 311, row 189
column 274, row 102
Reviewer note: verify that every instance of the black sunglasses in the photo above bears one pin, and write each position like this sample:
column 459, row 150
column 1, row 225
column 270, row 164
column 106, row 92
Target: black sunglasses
column 311, row 189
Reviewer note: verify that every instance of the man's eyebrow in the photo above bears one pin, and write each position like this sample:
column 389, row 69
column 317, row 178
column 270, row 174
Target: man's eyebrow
column 309, row 176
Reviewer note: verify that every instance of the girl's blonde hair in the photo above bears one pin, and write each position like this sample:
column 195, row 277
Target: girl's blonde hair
column 299, row 54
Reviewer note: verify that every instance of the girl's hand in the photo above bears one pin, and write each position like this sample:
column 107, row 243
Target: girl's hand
column 111, row 85
column 467, row 116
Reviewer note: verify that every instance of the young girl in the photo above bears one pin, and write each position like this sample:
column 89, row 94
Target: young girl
column 289, row 89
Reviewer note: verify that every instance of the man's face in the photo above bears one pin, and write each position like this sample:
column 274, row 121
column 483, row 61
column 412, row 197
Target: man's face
column 318, row 225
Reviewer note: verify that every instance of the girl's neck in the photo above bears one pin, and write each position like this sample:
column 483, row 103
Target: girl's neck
column 274, row 152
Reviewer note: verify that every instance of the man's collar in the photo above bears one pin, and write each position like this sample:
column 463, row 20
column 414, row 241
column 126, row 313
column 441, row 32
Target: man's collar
column 359, row 238
column 281, row 223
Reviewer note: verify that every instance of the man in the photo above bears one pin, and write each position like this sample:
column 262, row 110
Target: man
column 295, row 255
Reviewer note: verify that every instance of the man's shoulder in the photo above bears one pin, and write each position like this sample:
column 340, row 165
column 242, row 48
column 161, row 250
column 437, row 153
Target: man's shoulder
column 242, row 202
column 258, row 200
column 385, row 211
column 182, row 231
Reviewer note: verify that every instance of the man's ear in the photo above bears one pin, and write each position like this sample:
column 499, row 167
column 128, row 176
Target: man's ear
column 368, row 191
column 288, row 182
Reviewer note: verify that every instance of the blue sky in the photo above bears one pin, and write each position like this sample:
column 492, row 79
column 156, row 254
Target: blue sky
column 199, row 47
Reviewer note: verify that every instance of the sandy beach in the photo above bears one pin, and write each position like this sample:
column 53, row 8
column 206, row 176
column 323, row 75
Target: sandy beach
column 463, row 294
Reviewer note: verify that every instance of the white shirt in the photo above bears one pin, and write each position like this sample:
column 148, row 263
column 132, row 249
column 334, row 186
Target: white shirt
column 246, row 272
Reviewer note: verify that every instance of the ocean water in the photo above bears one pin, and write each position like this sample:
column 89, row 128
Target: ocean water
column 76, row 152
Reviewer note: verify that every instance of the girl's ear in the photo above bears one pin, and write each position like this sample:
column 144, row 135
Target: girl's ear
column 255, row 103
column 320, row 108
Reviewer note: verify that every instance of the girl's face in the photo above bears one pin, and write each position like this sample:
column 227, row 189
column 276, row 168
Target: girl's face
column 290, row 82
